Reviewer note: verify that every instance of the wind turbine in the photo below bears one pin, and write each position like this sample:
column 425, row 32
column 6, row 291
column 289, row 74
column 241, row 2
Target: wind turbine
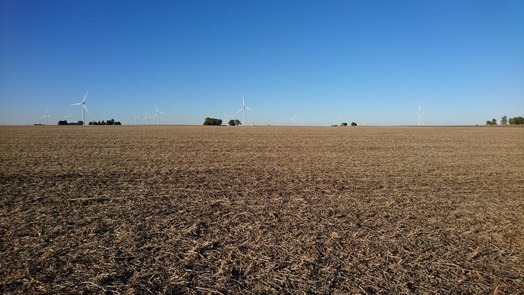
column 243, row 109
column 157, row 115
column 145, row 118
column 294, row 120
column 135, row 117
column 84, row 108
column 420, row 112
column 46, row 116
column 226, row 116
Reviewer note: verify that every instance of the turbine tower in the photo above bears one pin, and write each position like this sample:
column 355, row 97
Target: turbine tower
column 46, row 116
column 294, row 120
column 84, row 108
column 145, row 118
column 420, row 112
column 135, row 117
column 226, row 116
column 243, row 109
column 157, row 115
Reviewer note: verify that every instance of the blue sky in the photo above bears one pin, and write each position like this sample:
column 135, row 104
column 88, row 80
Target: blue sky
column 372, row 62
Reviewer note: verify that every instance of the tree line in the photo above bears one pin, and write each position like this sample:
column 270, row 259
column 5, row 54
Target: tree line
column 64, row 122
column 103, row 122
column 218, row 122
column 505, row 121
column 108, row 122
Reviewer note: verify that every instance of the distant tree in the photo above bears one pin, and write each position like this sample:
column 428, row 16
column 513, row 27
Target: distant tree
column 234, row 122
column 110, row 122
column 64, row 122
column 212, row 121
column 516, row 121
column 493, row 121
column 489, row 123
column 344, row 124
column 80, row 122
column 117, row 123
column 353, row 124
column 504, row 120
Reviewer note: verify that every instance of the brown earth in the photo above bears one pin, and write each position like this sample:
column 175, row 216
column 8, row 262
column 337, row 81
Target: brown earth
column 261, row 210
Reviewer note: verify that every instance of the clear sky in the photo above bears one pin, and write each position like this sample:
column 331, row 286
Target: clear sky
column 372, row 62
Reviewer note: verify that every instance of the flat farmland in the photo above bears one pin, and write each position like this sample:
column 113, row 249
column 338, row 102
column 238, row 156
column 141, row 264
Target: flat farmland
column 211, row 210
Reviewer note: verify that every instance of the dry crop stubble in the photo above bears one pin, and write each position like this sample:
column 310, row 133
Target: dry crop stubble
column 261, row 209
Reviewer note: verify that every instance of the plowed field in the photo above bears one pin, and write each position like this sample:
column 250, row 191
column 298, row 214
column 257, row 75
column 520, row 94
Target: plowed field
column 170, row 209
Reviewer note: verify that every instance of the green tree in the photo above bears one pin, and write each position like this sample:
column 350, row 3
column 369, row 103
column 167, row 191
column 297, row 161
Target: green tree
column 504, row 120
column 516, row 121
column 234, row 122
column 493, row 121
column 489, row 123
column 353, row 124
column 212, row 121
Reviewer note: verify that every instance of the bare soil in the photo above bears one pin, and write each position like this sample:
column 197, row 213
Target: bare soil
column 211, row 210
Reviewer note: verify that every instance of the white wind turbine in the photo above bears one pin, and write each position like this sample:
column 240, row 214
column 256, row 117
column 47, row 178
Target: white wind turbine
column 146, row 117
column 136, row 117
column 420, row 112
column 46, row 116
column 226, row 116
column 84, row 108
column 157, row 115
column 294, row 120
column 243, row 109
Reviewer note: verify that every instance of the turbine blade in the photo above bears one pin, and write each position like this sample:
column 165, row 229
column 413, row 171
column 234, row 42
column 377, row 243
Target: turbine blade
column 85, row 108
column 85, row 96
column 76, row 104
column 239, row 111
column 248, row 108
